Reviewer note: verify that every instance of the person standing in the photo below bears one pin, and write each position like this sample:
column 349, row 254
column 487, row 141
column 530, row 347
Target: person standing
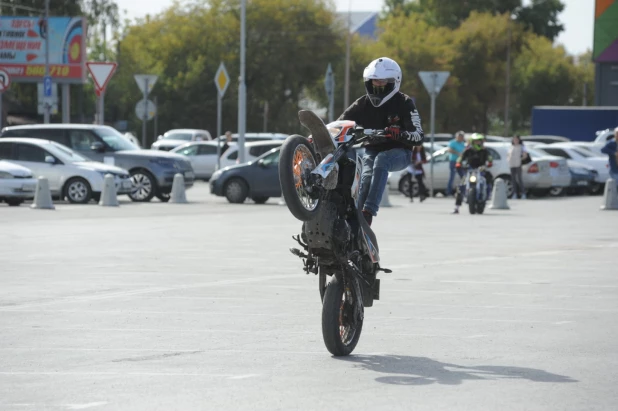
column 456, row 148
column 611, row 149
column 517, row 153
column 416, row 169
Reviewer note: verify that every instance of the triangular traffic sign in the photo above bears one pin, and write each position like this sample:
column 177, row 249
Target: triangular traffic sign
column 434, row 80
column 141, row 79
column 101, row 72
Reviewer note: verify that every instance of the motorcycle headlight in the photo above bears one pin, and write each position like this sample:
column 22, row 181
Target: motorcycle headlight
column 4, row 174
column 473, row 179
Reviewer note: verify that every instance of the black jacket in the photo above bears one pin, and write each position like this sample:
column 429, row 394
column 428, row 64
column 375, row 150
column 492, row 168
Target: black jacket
column 475, row 158
column 398, row 111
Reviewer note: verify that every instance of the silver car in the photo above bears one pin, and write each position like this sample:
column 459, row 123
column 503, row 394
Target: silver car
column 70, row 175
column 152, row 171
column 177, row 137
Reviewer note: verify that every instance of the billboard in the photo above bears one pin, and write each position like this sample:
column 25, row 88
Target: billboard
column 605, row 31
column 22, row 48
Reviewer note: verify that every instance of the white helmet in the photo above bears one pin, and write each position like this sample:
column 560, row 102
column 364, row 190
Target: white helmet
column 382, row 69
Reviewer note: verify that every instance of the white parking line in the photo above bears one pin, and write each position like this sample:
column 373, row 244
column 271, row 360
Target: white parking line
column 224, row 314
column 140, row 374
column 565, row 250
column 508, row 307
column 528, row 283
column 89, row 298
column 42, row 406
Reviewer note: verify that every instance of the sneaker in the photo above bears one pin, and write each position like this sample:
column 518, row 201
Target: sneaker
column 368, row 217
column 456, row 211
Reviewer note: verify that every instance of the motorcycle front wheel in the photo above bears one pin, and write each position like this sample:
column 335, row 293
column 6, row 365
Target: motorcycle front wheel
column 341, row 326
column 296, row 161
column 472, row 200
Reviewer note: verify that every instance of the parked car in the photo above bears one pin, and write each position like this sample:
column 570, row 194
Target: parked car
column 603, row 136
column 202, row 155
column 17, row 183
column 582, row 178
column 544, row 139
column 152, row 171
column 176, row 137
column 600, row 164
column 539, row 176
column 252, row 137
column 257, row 179
column 593, row 148
column 70, row 175
column 252, row 151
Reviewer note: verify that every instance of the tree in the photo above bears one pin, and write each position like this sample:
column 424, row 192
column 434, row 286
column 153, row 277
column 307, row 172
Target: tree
column 452, row 13
column 542, row 17
column 289, row 45
column 543, row 75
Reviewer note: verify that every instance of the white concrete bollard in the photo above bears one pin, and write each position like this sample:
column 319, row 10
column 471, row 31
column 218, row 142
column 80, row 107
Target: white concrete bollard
column 610, row 195
column 178, row 194
column 385, row 201
column 498, row 197
column 108, row 195
column 42, row 195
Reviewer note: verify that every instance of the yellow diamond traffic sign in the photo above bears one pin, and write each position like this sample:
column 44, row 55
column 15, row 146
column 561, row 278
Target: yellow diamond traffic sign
column 222, row 80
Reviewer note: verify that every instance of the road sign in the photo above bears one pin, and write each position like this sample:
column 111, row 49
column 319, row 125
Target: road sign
column 329, row 86
column 50, row 101
column 47, row 86
column 101, row 72
column 434, row 80
column 222, row 80
column 329, row 81
column 140, row 79
column 5, row 80
column 147, row 108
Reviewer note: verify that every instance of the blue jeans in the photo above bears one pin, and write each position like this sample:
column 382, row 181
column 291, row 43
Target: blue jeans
column 376, row 166
column 451, row 177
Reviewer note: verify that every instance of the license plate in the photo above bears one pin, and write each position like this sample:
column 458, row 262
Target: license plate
column 28, row 187
column 126, row 184
column 582, row 183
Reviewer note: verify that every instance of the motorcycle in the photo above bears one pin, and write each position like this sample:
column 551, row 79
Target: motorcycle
column 476, row 189
column 320, row 182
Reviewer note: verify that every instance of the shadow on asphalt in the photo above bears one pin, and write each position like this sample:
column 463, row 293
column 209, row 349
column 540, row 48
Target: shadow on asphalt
column 407, row 370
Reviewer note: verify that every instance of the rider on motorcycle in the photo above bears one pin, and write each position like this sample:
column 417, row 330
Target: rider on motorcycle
column 475, row 155
column 384, row 107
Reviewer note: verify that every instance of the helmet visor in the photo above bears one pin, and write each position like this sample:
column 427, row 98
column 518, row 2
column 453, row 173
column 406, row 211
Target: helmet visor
column 377, row 89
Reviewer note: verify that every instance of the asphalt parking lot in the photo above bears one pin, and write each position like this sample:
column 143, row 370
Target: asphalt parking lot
column 201, row 306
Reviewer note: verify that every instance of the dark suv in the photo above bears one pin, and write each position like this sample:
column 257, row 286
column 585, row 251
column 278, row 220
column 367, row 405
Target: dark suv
column 152, row 172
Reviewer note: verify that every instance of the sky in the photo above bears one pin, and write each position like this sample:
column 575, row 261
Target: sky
column 577, row 17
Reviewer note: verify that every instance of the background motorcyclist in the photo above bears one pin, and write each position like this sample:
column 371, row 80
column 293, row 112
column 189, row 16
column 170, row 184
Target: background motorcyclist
column 384, row 107
column 474, row 156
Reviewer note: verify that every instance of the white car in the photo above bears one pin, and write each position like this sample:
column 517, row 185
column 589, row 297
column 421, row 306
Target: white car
column 176, row 137
column 603, row 136
column 69, row 174
column 600, row 164
column 594, row 148
column 16, row 183
column 252, row 151
column 540, row 175
column 203, row 156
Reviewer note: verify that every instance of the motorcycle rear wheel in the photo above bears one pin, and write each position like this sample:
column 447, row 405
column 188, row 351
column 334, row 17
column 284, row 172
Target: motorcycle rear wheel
column 296, row 160
column 339, row 330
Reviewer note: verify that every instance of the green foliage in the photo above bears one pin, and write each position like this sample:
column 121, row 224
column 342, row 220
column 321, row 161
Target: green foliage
column 291, row 42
